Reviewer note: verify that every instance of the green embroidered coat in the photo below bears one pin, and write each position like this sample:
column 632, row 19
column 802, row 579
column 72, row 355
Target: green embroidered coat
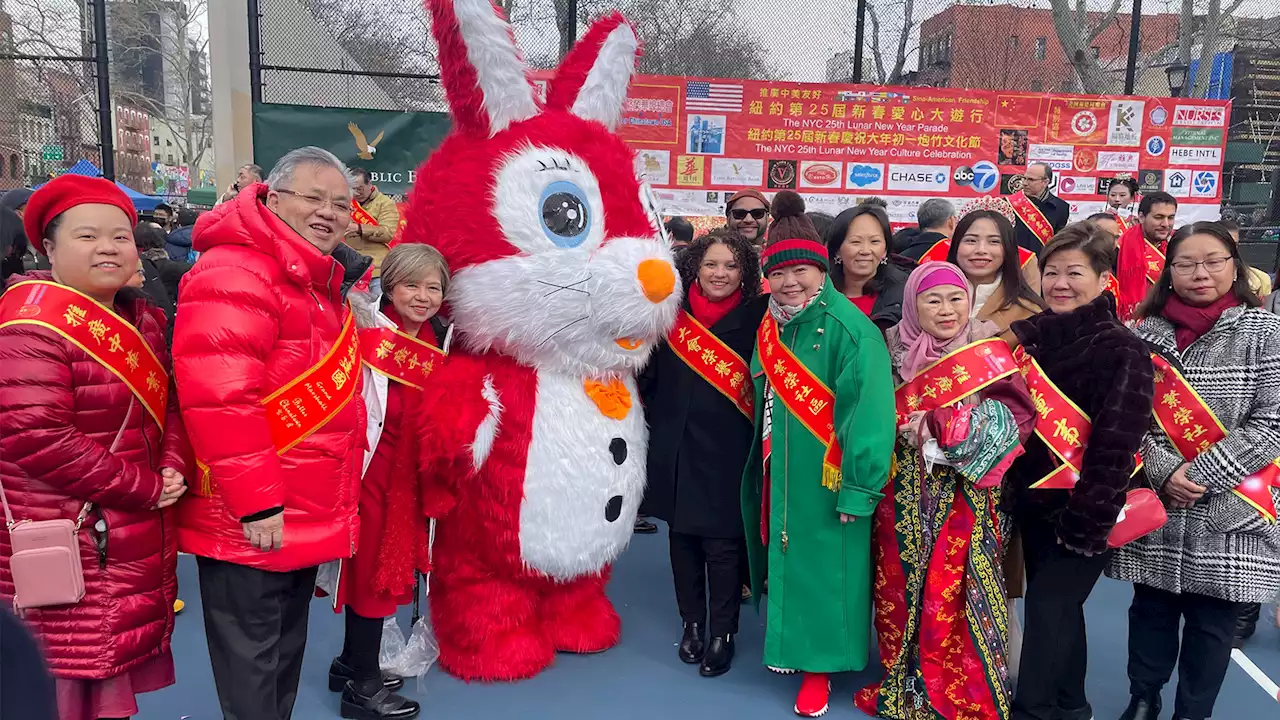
column 819, row 599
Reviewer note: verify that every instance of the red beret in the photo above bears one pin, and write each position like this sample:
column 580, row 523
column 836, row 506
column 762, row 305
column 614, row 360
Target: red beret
column 65, row 192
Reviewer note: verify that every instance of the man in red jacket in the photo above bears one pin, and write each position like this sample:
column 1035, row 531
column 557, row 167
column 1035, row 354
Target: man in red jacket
column 268, row 378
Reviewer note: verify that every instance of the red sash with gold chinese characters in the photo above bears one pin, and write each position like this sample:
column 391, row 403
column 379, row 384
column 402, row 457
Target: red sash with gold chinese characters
column 108, row 338
column 1155, row 261
column 360, row 216
column 713, row 361
column 399, row 356
column 306, row 403
column 955, row 377
column 805, row 396
column 1060, row 424
column 940, row 250
column 1192, row 428
column 1031, row 216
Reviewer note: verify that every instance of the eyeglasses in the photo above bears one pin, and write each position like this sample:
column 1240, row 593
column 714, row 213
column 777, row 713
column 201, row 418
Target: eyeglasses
column 1213, row 265
column 341, row 208
column 757, row 213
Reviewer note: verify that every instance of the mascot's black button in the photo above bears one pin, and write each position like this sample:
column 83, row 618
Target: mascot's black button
column 618, row 447
column 613, row 508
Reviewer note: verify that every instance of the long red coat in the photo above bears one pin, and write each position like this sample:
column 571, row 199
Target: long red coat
column 60, row 412
column 260, row 308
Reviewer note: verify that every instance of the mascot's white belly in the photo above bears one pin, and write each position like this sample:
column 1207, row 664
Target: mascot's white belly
column 583, row 482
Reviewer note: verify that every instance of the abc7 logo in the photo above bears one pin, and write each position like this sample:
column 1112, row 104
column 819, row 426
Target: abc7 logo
column 965, row 176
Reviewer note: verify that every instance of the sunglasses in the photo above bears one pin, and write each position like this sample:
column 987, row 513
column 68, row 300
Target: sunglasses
column 757, row 214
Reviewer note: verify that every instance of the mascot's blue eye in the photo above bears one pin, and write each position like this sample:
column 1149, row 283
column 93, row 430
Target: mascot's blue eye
column 565, row 218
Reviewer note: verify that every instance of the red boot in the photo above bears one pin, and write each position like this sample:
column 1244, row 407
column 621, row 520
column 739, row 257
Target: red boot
column 815, row 692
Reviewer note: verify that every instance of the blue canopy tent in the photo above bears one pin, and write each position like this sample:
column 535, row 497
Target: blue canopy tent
column 141, row 202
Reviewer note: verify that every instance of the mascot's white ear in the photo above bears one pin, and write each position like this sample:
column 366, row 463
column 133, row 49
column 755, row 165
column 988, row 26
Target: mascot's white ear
column 484, row 75
column 593, row 78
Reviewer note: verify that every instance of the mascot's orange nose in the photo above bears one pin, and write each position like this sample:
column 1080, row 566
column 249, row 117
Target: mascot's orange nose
column 657, row 279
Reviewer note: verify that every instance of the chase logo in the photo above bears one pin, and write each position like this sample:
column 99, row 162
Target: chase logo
column 929, row 178
column 1155, row 146
column 865, row 176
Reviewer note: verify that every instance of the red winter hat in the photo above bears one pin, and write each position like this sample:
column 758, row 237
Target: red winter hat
column 65, row 192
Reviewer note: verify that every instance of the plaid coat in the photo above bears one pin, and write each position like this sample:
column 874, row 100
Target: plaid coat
column 1221, row 547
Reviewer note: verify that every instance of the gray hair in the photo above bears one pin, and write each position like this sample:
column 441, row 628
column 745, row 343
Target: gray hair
column 934, row 212
column 282, row 173
column 255, row 169
column 408, row 262
column 1048, row 171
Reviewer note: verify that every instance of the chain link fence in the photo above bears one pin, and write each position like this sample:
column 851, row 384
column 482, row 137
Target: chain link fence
column 49, row 95
column 379, row 54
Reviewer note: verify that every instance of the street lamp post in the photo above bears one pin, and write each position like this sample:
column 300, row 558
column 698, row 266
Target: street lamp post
column 1177, row 75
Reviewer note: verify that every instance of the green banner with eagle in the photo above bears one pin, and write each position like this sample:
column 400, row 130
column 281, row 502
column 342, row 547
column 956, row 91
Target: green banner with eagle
column 390, row 145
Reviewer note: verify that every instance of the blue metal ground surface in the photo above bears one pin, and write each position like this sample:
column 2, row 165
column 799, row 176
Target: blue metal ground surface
column 643, row 680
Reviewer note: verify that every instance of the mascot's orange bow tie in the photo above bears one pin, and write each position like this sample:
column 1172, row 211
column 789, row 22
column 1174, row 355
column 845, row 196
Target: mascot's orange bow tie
column 613, row 398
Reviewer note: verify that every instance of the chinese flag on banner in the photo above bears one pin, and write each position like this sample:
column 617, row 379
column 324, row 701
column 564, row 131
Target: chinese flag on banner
column 1018, row 111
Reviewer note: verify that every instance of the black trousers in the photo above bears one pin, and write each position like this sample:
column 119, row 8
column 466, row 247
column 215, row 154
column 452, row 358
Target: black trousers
column 255, row 622
column 703, row 566
column 1054, row 649
column 1202, row 659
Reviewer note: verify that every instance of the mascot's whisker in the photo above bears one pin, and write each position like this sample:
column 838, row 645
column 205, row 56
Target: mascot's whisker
column 547, row 339
column 574, row 287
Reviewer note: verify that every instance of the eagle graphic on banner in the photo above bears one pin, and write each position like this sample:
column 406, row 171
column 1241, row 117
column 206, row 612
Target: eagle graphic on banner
column 366, row 149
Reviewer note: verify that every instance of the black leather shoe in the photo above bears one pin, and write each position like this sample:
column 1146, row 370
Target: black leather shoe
column 719, row 657
column 339, row 674
column 1143, row 707
column 380, row 705
column 693, row 644
column 1246, row 624
column 644, row 527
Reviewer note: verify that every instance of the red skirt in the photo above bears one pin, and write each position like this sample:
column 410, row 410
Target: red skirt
column 113, row 697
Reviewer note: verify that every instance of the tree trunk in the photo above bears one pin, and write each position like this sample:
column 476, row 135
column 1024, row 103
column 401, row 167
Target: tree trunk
column 1070, row 32
column 908, row 10
column 1208, row 46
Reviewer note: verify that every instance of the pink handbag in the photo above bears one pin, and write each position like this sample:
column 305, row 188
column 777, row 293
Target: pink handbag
column 45, row 559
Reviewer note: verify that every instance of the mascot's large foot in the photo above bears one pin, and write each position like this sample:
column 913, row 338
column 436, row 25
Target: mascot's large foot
column 579, row 618
column 488, row 630
column 516, row 655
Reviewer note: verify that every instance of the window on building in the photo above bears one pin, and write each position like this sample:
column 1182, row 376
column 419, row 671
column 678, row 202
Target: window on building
column 1013, row 42
column 155, row 139
column 946, row 48
column 157, row 157
column 168, row 143
column 14, row 167
column 1042, row 47
column 168, row 159
column 1095, row 50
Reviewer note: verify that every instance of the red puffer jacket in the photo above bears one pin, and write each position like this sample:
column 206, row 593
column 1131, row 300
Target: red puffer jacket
column 260, row 308
column 60, row 412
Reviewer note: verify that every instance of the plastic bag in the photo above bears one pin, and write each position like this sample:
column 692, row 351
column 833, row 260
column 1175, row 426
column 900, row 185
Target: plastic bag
column 408, row 658
column 327, row 578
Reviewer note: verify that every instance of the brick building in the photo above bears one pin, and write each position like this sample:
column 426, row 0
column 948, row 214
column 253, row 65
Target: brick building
column 1014, row 48
column 133, row 148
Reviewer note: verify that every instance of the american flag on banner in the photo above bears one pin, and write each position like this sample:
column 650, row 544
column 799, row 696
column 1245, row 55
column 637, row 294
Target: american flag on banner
column 712, row 97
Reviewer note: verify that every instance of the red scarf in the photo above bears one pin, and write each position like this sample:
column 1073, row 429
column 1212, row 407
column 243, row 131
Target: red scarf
column 404, row 532
column 708, row 311
column 1131, row 271
column 1190, row 322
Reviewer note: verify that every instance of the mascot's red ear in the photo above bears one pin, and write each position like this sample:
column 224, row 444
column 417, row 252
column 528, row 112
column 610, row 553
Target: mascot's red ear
column 485, row 78
column 593, row 78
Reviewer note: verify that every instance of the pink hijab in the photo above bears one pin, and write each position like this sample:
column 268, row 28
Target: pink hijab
column 911, row 347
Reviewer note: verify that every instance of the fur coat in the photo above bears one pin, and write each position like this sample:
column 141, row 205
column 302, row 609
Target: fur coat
column 1106, row 370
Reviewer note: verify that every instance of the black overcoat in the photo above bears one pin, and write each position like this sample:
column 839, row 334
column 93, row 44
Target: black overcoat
column 698, row 439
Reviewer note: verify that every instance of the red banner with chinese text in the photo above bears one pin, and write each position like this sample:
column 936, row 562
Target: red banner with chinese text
column 697, row 140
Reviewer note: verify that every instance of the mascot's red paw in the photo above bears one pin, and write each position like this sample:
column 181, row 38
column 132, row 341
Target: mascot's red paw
column 578, row 618
column 515, row 655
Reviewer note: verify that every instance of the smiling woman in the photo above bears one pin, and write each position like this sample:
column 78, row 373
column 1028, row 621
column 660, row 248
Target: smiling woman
column 90, row 436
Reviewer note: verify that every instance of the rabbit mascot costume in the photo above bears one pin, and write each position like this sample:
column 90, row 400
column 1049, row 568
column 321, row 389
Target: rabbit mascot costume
column 532, row 437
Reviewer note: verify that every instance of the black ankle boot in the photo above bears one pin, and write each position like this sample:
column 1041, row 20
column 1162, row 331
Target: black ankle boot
column 1246, row 624
column 340, row 673
column 1143, row 707
column 693, row 644
column 372, row 701
column 719, row 656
